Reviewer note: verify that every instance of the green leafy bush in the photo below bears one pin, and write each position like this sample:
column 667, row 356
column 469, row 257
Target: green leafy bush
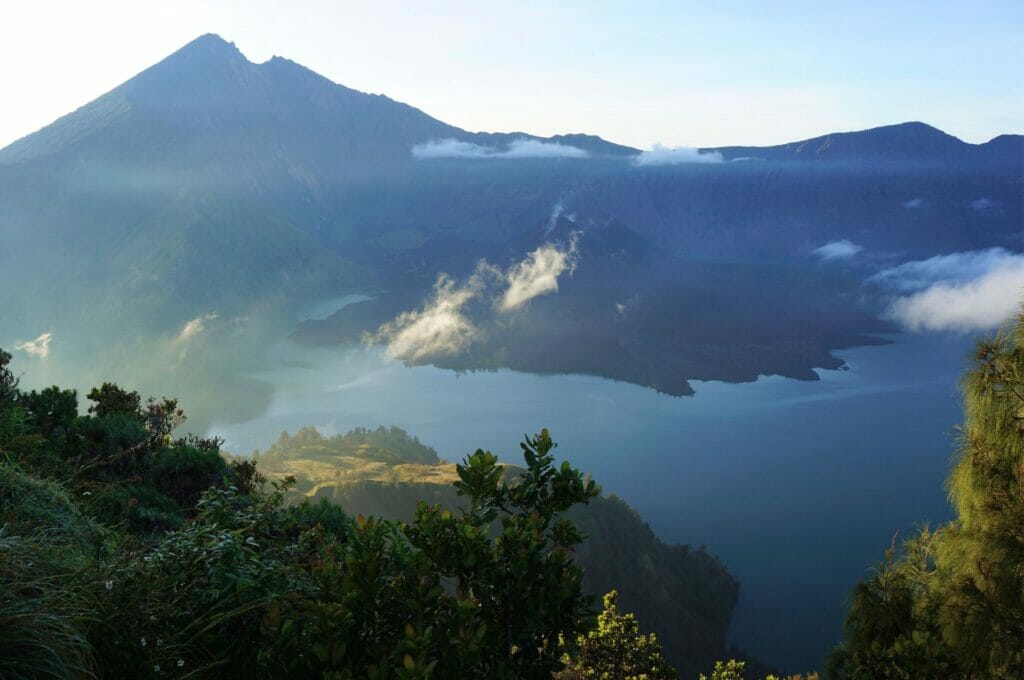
column 183, row 472
column 616, row 649
column 153, row 556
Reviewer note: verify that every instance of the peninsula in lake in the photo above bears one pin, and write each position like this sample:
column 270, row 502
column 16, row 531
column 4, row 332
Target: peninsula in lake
column 198, row 206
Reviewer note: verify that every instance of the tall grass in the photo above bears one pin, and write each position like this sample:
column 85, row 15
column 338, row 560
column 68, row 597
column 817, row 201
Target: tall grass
column 43, row 615
column 44, row 612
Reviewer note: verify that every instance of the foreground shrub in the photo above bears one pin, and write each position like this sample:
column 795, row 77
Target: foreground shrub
column 949, row 603
column 617, row 649
column 153, row 557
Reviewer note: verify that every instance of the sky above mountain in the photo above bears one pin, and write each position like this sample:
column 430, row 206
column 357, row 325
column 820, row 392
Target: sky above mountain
column 641, row 73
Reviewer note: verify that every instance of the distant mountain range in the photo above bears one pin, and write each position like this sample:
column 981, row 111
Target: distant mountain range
column 208, row 94
column 913, row 141
column 174, row 225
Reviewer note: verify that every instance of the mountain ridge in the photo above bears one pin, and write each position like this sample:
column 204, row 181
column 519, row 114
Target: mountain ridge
column 238, row 90
column 210, row 185
column 209, row 83
column 887, row 142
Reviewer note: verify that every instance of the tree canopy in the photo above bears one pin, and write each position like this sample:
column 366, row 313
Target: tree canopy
column 127, row 552
column 949, row 602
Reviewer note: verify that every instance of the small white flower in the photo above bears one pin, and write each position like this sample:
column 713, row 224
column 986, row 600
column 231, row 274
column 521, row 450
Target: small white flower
column 109, row 585
column 156, row 668
column 181, row 663
column 143, row 641
column 87, row 493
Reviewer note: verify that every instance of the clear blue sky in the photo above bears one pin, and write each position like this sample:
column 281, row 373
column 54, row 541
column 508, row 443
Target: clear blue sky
column 675, row 73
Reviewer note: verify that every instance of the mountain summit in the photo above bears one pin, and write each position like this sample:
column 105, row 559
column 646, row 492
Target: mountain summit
column 207, row 51
column 208, row 100
column 206, row 103
column 212, row 192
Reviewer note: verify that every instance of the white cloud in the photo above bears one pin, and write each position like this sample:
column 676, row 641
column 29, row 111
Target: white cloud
column 443, row 327
column 195, row 326
column 556, row 212
column 449, row 148
column 913, row 203
column 40, row 347
column 625, row 308
column 533, row 148
column 663, row 155
column 518, row 148
column 983, row 294
column 982, row 203
column 439, row 328
column 834, row 250
column 954, row 267
column 538, row 274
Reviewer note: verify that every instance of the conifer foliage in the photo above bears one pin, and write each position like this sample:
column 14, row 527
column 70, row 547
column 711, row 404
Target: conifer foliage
column 949, row 603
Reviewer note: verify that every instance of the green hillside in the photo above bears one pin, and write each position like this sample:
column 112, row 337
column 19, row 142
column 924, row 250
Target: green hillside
column 684, row 595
